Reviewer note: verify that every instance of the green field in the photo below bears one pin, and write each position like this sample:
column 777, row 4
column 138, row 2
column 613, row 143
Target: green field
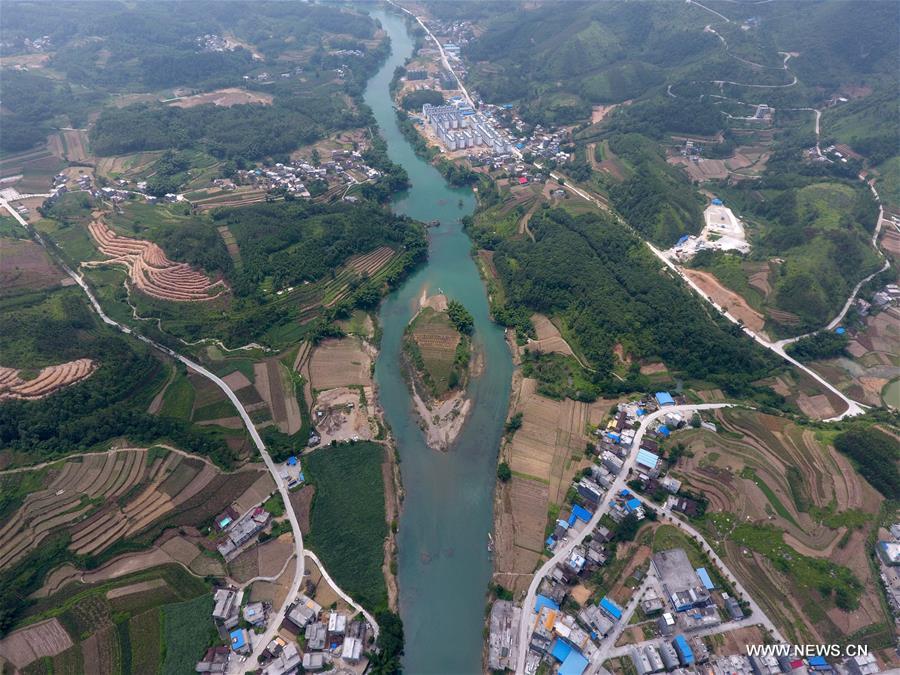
column 348, row 518
column 431, row 343
column 187, row 630
column 178, row 401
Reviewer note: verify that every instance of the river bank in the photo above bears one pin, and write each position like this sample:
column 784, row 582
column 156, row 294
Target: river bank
column 443, row 563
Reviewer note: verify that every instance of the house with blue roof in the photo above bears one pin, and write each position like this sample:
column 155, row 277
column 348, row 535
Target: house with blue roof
column 648, row 462
column 561, row 650
column 240, row 641
column 705, row 578
column 610, row 608
column 684, row 651
column 580, row 513
column 543, row 601
column 716, row 201
column 574, row 664
column 663, row 398
column 663, row 431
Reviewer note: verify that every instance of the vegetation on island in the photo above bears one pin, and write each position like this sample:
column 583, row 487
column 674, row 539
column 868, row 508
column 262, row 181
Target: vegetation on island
column 437, row 347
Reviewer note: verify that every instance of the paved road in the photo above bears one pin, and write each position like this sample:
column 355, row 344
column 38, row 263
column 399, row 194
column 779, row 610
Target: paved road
column 563, row 552
column 853, row 407
column 261, row 641
column 440, row 47
column 758, row 616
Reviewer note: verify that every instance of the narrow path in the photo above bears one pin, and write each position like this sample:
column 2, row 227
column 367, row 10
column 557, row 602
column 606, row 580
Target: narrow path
column 337, row 589
column 261, row 641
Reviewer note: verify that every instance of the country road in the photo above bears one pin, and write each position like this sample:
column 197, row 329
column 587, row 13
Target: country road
column 261, row 641
column 562, row 553
column 443, row 54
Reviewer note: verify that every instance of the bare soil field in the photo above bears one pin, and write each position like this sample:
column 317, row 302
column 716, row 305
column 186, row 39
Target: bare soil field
column 224, row 98
column 705, row 169
column 324, row 594
column 731, row 301
column 340, row 363
column 25, row 265
column 25, row 645
column 549, row 340
column 273, row 592
column 138, row 587
column 274, row 385
column 601, row 112
column 75, row 142
column 301, row 500
column 150, row 271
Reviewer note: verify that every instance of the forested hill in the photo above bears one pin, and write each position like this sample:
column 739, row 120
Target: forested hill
column 556, row 63
column 608, row 289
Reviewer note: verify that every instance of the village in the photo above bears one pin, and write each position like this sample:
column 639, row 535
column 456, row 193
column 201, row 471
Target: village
column 671, row 613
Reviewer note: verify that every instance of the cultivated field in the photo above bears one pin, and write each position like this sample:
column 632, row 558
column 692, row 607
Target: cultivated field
column 48, row 381
column 544, row 454
column 47, row 638
column 436, row 338
column 24, row 265
column 548, row 339
column 106, row 497
column 874, row 361
column 75, row 146
column 224, row 98
column 151, row 271
column 766, row 470
column 340, row 363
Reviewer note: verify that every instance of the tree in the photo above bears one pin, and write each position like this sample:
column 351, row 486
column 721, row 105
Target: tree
column 504, row 473
column 460, row 317
column 316, row 158
column 386, row 661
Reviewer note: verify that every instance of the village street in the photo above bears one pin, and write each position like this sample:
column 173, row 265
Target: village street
column 528, row 614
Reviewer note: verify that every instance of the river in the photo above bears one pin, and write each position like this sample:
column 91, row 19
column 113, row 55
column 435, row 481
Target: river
column 443, row 567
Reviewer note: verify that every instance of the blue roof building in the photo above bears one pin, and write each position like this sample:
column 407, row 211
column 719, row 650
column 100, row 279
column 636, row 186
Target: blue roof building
column 611, row 608
column 238, row 639
column 543, row 601
column 840, row 330
column 574, row 664
column 292, row 461
column 685, row 653
column 581, row 513
column 664, row 398
column 561, row 650
column 614, row 437
column 682, row 239
column 664, row 431
column 704, row 578
column 818, row 663
column 633, row 504
column 716, row 201
column 551, row 542
column 647, row 459
column 640, row 412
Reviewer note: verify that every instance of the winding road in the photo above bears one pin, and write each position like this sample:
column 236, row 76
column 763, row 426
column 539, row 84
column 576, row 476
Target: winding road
column 528, row 614
column 259, row 644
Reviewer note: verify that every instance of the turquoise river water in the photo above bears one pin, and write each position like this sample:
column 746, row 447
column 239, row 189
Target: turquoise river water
column 443, row 565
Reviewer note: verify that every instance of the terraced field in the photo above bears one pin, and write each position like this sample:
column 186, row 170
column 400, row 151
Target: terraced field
column 761, row 471
column 47, row 381
column 103, row 498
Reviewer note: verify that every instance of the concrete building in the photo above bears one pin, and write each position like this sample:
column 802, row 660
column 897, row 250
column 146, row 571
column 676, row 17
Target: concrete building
column 459, row 128
column 226, row 610
column 254, row 613
column 503, row 635
column 351, row 651
column 316, row 635
column 313, row 661
column 286, row 662
column 680, row 582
